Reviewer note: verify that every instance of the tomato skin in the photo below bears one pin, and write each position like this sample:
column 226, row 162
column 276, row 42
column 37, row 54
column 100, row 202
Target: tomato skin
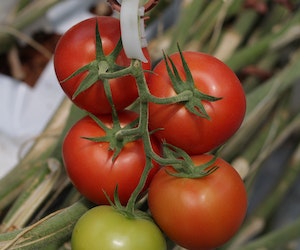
column 201, row 213
column 76, row 48
column 197, row 135
column 90, row 167
column 105, row 228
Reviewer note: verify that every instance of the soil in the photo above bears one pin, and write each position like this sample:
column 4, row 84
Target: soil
column 30, row 62
column 26, row 64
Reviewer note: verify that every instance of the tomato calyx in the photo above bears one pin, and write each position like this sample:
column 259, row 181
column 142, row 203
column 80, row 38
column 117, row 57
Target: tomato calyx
column 195, row 101
column 116, row 143
column 186, row 168
column 103, row 64
column 128, row 211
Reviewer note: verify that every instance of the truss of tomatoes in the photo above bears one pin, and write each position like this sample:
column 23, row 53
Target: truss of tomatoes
column 195, row 207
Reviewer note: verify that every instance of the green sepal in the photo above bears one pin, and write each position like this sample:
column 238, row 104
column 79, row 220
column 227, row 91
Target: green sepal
column 116, row 204
column 99, row 67
column 91, row 78
column 116, row 144
column 186, row 168
column 195, row 103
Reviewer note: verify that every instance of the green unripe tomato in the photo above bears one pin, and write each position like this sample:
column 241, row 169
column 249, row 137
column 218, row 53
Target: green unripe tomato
column 104, row 228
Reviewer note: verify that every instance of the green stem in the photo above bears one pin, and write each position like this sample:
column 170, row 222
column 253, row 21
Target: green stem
column 209, row 23
column 49, row 233
column 261, row 101
column 31, row 198
column 265, row 135
column 144, row 132
column 147, row 97
column 180, row 97
column 257, row 221
column 250, row 54
column 143, row 127
column 45, row 145
column 266, row 66
column 275, row 239
column 193, row 11
column 116, row 74
column 233, row 37
column 107, row 89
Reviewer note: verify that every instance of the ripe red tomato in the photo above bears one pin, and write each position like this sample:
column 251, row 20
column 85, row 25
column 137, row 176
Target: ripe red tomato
column 90, row 165
column 201, row 213
column 181, row 128
column 76, row 48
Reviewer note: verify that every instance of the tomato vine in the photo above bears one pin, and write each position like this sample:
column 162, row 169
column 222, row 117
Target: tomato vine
column 181, row 79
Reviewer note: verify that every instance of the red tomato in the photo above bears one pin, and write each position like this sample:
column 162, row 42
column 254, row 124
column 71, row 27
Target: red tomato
column 90, row 165
column 181, row 128
column 200, row 213
column 76, row 48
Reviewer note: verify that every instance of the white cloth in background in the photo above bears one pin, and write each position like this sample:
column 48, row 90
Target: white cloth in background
column 25, row 111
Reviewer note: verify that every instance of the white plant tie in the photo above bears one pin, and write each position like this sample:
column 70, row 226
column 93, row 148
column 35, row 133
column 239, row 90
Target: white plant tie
column 133, row 29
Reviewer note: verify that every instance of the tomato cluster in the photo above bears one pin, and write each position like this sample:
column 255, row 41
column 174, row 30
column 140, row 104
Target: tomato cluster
column 188, row 106
column 89, row 164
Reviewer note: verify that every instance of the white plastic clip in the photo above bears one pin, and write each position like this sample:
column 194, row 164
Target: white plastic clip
column 133, row 29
